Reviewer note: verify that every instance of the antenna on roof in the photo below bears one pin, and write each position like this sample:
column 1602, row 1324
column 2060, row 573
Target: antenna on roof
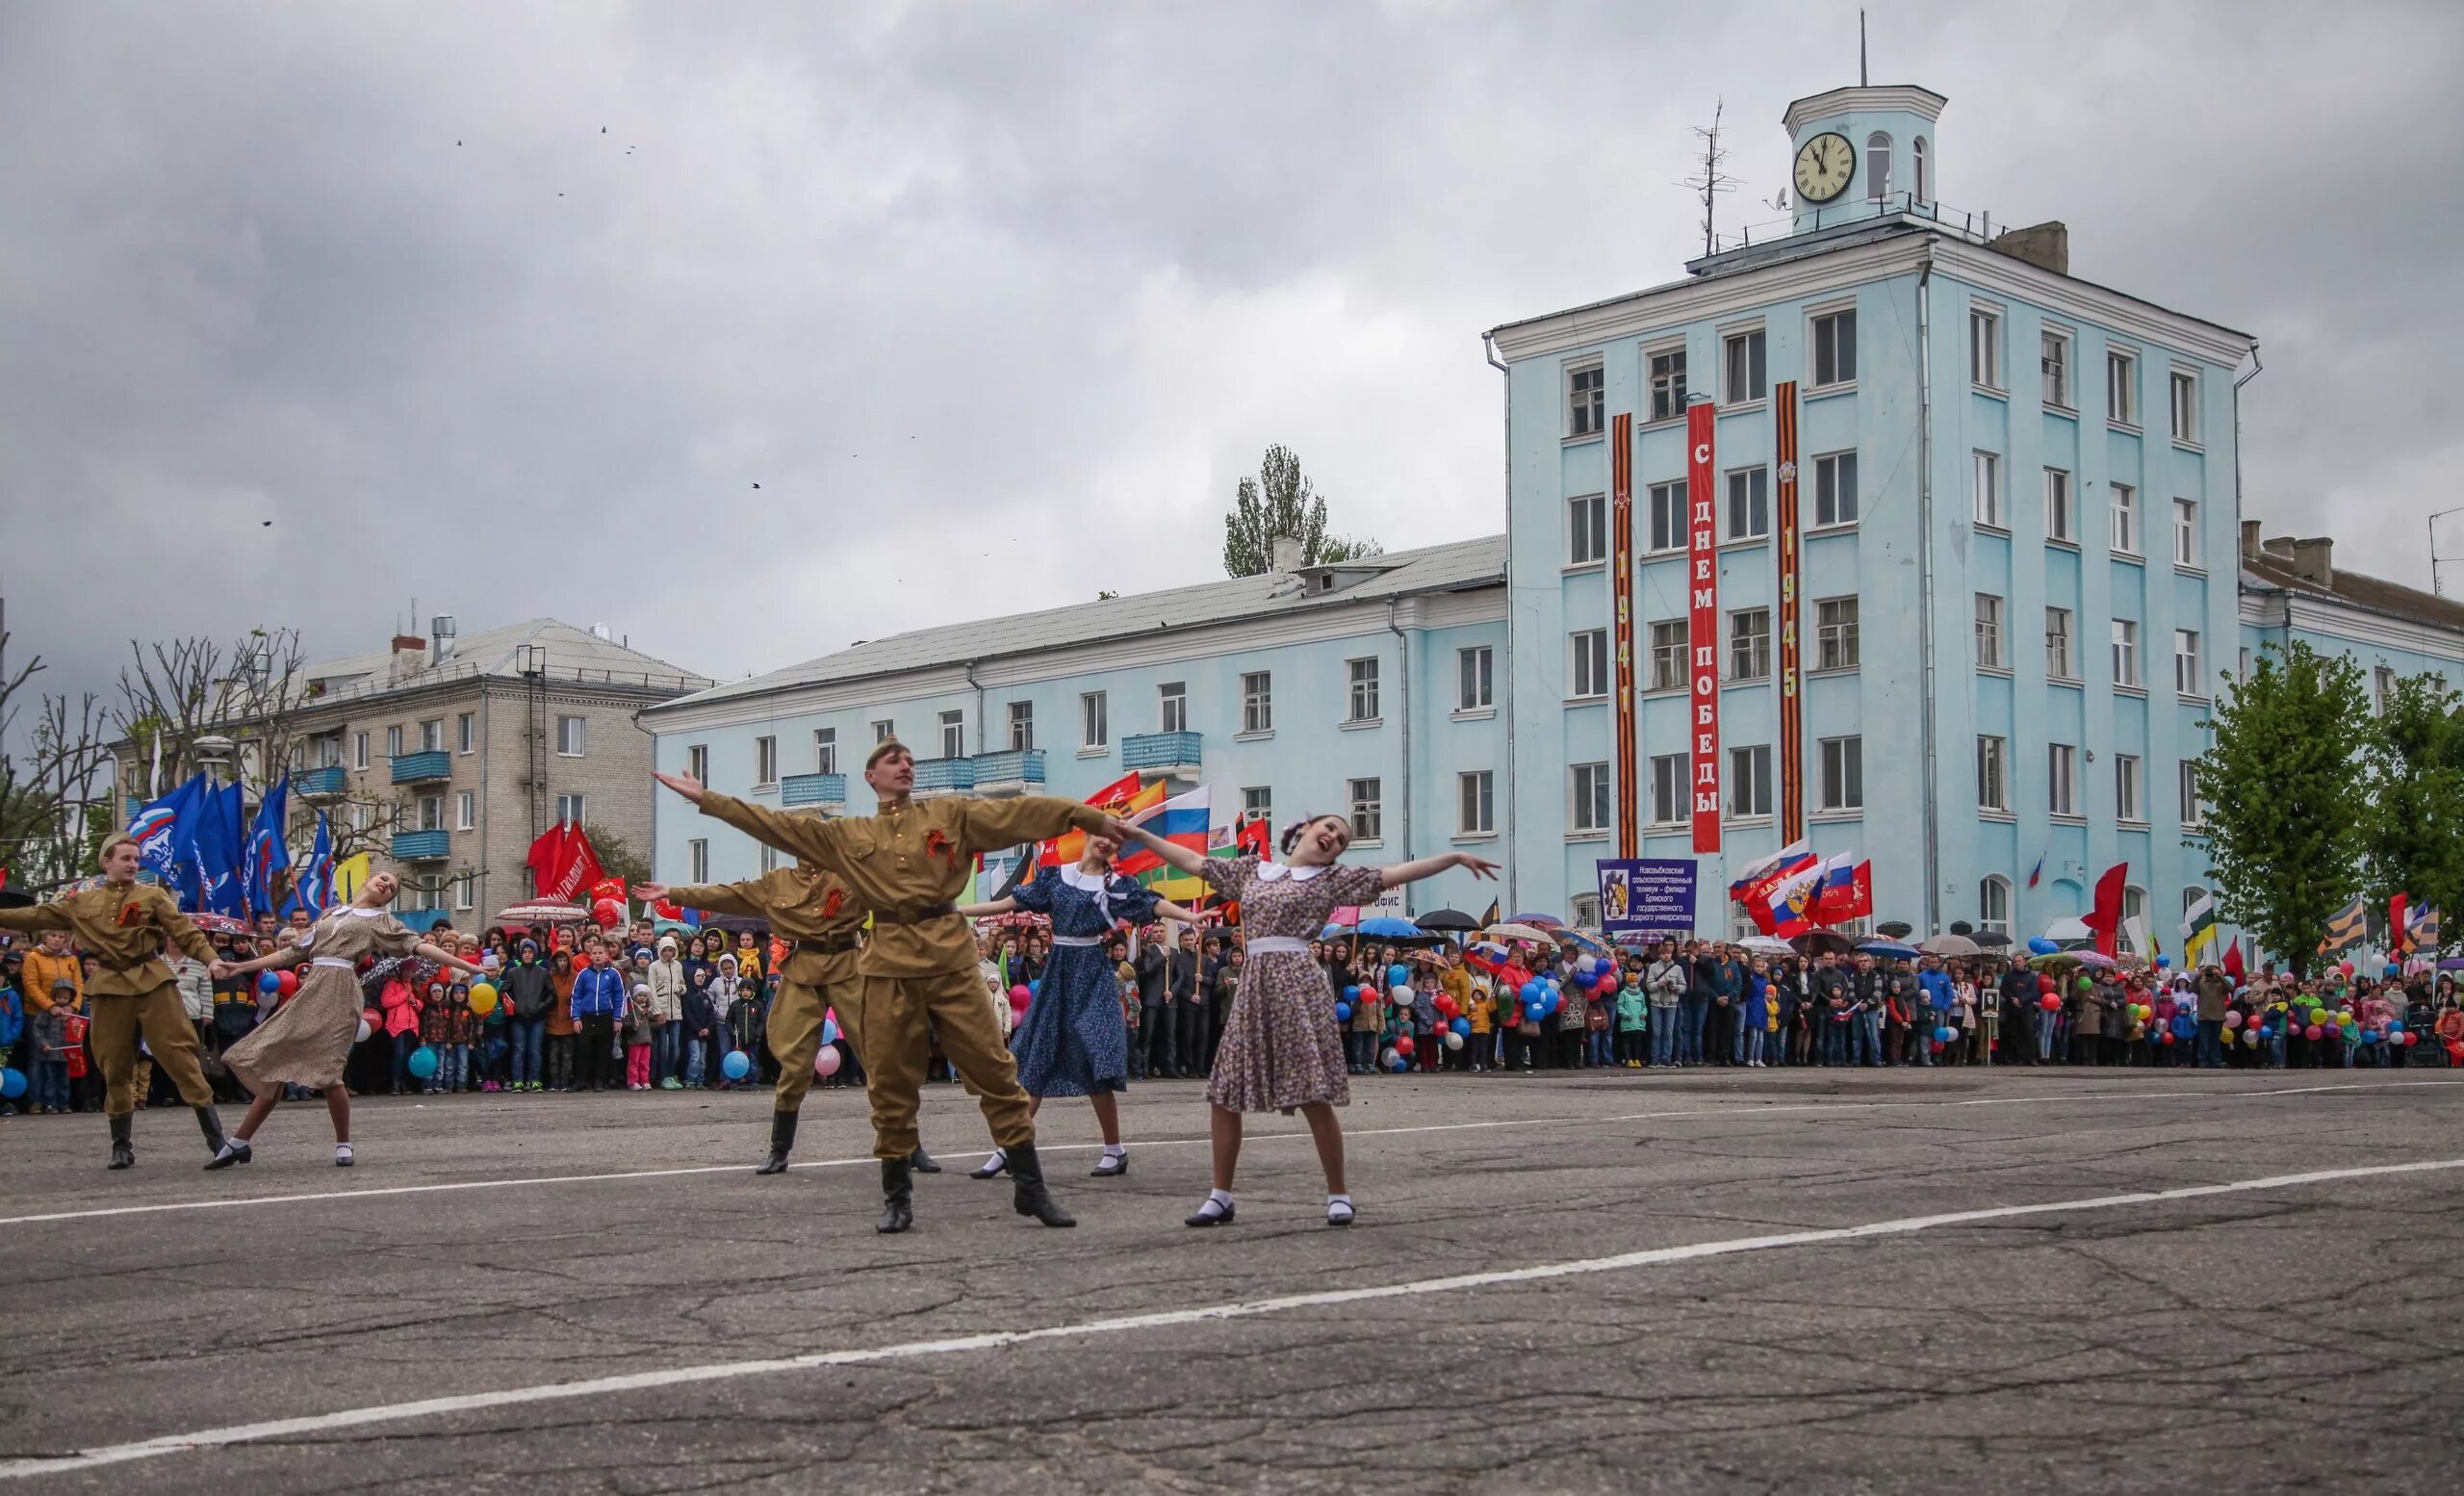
column 1861, row 79
column 1712, row 181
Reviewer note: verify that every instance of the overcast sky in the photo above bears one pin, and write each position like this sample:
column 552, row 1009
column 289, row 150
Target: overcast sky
column 509, row 307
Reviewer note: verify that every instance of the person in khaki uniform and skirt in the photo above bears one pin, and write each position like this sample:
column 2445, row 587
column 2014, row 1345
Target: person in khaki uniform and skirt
column 123, row 926
column 907, row 863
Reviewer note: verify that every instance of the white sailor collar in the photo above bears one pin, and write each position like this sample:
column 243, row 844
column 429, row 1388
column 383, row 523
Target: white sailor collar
column 354, row 911
column 1274, row 873
column 1084, row 882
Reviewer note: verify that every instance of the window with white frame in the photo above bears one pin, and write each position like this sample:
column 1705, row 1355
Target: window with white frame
column 1585, row 908
column 2134, row 905
column 1994, row 904
column 1477, row 803
column 1590, row 796
column 1666, row 504
column 1878, row 166
column 2185, row 386
column 329, row 753
column 765, row 760
column 1749, row 644
column 2122, row 387
column 1835, row 349
column 1750, row 781
column 359, row 750
column 1992, row 777
column 1985, row 348
column 1172, row 706
column 1835, row 634
column 2125, row 652
column 697, row 856
column 2186, row 676
column 466, row 733
column 884, row 730
column 2053, row 363
column 2062, row 779
column 1474, row 669
column 2058, row 522
column 1988, row 633
column 1367, row 813
column 1835, row 489
column 1094, row 720
column 2185, row 532
column 1586, row 530
column 1741, row 371
column 1257, row 701
column 432, row 734
column 953, row 735
column 1749, row 506
column 1361, row 678
column 573, row 810
column 2193, row 809
column 2382, row 689
column 2126, row 783
column 2056, row 644
column 466, row 809
column 825, row 750
column 1667, row 368
column 1669, row 793
column 572, row 736
column 1023, row 725
column 1586, row 397
column 1924, row 184
column 1668, row 655
column 1843, row 773
column 2125, row 515
column 1987, row 469
column 1590, row 666
column 769, row 862
column 466, row 892
column 1257, row 804
column 696, row 762
column 393, row 742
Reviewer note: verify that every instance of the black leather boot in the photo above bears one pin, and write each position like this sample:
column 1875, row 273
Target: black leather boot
column 898, row 1197
column 782, row 1136
column 1033, row 1198
column 210, row 1122
column 123, row 1151
column 922, row 1162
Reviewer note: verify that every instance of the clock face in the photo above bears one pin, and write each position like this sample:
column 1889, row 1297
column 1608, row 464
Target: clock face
column 1825, row 167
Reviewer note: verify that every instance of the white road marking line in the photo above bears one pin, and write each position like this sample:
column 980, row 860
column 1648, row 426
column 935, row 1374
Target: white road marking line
column 1744, row 1109
column 677, row 1376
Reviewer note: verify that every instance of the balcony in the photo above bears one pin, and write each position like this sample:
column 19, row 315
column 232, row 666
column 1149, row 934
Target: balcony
column 422, row 846
column 1011, row 773
column 423, row 768
column 1172, row 754
column 944, row 776
column 325, row 783
column 827, row 790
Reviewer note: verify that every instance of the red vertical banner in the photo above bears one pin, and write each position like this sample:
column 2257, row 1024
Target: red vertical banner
column 1702, row 624
column 1793, row 725
column 1621, row 593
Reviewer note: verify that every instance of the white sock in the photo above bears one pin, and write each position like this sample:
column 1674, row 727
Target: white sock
column 1114, row 1151
column 342, row 1150
column 1338, row 1202
column 1222, row 1197
column 999, row 1155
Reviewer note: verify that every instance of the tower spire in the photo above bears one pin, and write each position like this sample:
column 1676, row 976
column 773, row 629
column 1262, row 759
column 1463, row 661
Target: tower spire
column 1861, row 79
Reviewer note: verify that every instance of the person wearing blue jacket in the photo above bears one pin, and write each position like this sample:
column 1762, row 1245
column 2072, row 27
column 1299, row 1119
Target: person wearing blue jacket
column 1934, row 985
column 1754, row 1018
column 599, row 1002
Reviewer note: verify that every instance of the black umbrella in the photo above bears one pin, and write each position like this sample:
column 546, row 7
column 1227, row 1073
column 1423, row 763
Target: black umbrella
column 15, row 898
column 1894, row 929
column 1447, row 919
column 1822, row 941
column 1990, row 938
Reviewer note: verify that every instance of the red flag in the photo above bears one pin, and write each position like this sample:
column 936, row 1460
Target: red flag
column 1852, row 900
column 1112, row 797
column 608, row 887
column 667, row 911
column 563, row 863
column 2106, row 919
column 2233, row 959
column 2399, row 938
column 1252, row 839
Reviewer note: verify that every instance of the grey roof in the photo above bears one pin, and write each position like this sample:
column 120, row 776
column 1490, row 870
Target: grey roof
column 573, row 655
column 1457, row 566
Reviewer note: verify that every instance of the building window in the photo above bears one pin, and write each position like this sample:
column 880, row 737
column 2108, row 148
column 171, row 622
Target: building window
column 329, row 751
column 1988, row 633
column 884, row 730
column 359, row 750
column 697, row 763
column 1257, row 804
column 432, row 734
column 698, row 857
column 1474, row 669
column 393, row 742
column 1742, row 374
column 1668, row 384
column 765, row 760
column 1835, row 349
column 571, row 810
column 2062, row 778
column 1023, row 725
column 1590, row 674
column 2125, row 652
column 1835, row 489
column 1590, row 797
column 2186, row 677
column 2184, row 407
column 1988, row 483
column 1992, row 784
column 1669, row 790
column 2134, row 905
column 1668, row 655
column 466, row 892
column 1585, row 908
column 1667, row 504
column 1368, row 820
column 1749, row 644
column 2055, row 363
column 466, row 810
column 2126, row 512
column 1478, row 801
column 1749, row 503
column 2126, row 806
column 1750, row 781
column 1257, row 701
column 1362, row 700
column 2058, row 521
column 1878, row 166
column 1172, row 706
column 573, row 735
column 1843, row 773
column 466, row 732
column 2056, row 644
column 1994, row 904
column 953, row 735
column 1586, row 393
column 2185, row 532
column 1985, row 348
column 2193, row 809
column 2382, row 689
column 1835, row 634
column 825, row 750
column 769, row 857
column 1094, row 721
column 1924, row 186
column 1586, row 530
column 2122, row 387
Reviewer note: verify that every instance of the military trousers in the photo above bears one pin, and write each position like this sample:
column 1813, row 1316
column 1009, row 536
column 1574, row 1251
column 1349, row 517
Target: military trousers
column 894, row 1022
column 115, row 1023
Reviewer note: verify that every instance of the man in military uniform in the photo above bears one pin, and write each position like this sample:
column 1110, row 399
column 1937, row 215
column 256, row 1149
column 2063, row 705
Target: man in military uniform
column 122, row 925
column 821, row 915
column 907, row 863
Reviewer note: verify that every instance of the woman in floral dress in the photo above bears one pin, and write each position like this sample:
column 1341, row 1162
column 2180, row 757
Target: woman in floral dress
column 1280, row 1050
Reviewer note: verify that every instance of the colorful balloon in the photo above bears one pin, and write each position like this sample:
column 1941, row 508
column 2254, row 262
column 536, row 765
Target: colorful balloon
column 737, row 1065
column 825, row 1064
column 422, row 1063
column 483, row 998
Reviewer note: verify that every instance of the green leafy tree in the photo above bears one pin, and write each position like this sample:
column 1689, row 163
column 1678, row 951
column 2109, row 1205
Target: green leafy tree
column 2413, row 766
column 1282, row 502
column 2288, row 815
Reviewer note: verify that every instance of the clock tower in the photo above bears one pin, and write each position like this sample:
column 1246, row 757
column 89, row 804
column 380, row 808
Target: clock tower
column 1856, row 153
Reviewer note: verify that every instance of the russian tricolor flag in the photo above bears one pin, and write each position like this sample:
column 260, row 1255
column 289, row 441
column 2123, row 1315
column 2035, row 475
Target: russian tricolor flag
column 1182, row 820
column 1844, row 891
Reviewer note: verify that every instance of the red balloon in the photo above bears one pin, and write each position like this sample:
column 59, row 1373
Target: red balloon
column 607, row 912
column 2050, row 1003
column 2313, row 1033
column 286, row 981
column 2411, row 1037
column 2346, row 967
column 2044, row 982
column 1404, row 1047
column 1018, row 996
column 2168, row 1035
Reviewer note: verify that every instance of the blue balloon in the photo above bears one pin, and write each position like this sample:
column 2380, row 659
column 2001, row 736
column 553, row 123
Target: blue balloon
column 1352, row 995
column 1462, row 1026
column 13, row 1083
column 1399, row 975
column 1034, row 989
column 2395, row 1025
column 2041, row 945
column 1401, row 1065
column 1535, row 1009
column 735, row 1067
column 2162, row 961
column 422, row 1062
column 1532, row 990
column 1552, row 1002
column 830, row 1031
column 269, row 983
column 1943, row 1034
column 1343, row 1010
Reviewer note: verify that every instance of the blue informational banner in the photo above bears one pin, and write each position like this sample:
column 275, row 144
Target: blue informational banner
column 1647, row 895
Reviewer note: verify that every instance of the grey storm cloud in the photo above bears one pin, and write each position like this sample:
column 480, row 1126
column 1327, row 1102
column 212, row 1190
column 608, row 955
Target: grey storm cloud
column 508, row 308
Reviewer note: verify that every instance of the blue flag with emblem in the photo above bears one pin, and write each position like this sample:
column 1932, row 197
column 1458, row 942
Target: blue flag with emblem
column 314, row 888
column 165, row 835
column 265, row 855
column 219, row 853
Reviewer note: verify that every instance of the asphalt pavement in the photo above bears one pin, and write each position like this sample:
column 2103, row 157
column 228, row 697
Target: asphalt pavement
column 1722, row 1280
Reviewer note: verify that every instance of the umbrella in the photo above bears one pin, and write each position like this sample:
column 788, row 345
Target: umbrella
column 1544, row 921
column 1993, row 939
column 222, row 924
column 1767, row 945
column 2071, row 958
column 1448, row 919
column 1950, row 945
column 1896, row 949
column 1584, row 939
column 1386, row 927
column 543, row 911
column 1521, row 930
column 1818, row 942
column 1896, row 929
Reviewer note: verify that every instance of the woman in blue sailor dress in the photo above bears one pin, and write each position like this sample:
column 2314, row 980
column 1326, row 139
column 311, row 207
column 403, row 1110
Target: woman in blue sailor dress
column 1072, row 1041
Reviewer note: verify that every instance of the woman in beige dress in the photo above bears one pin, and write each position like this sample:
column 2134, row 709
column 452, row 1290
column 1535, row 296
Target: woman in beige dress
column 308, row 1042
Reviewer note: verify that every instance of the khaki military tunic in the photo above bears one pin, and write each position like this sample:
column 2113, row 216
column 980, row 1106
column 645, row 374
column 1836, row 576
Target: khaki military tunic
column 122, row 925
column 817, row 912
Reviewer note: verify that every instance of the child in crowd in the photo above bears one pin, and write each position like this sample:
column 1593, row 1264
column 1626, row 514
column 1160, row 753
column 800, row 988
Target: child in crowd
column 637, row 1038
column 1426, row 1049
column 462, row 1030
column 435, row 1028
column 1482, row 1011
column 1633, row 1023
column 701, row 1021
column 1758, row 1015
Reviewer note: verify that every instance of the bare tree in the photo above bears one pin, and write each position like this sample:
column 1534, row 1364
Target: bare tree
column 48, row 797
